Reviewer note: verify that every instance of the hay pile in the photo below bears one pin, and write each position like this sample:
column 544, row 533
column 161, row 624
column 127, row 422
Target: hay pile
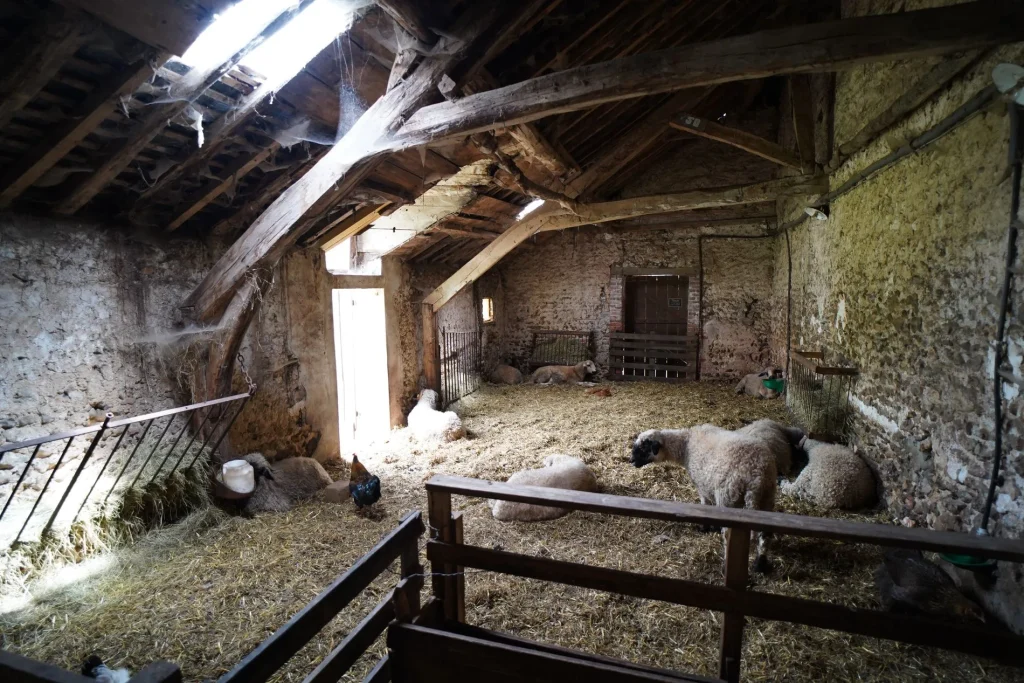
column 205, row 592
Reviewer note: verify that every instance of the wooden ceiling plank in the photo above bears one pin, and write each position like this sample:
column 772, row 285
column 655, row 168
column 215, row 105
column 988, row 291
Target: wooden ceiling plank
column 35, row 57
column 748, row 142
column 342, row 229
column 825, row 46
column 20, row 175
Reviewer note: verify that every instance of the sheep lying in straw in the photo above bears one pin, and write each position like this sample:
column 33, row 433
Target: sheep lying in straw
column 729, row 469
column 430, row 424
column 563, row 374
column 286, row 482
column 835, row 478
column 781, row 440
column 505, row 374
column 559, row 472
column 752, row 385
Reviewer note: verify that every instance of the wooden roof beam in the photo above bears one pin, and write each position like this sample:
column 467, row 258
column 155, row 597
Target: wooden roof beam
column 551, row 217
column 350, row 226
column 67, row 135
column 483, row 28
column 187, row 91
column 825, row 46
column 734, row 137
column 35, row 57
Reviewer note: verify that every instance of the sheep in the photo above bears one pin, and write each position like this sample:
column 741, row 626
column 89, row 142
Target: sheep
column 753, row 386
column 428, row 423
column 729, row 469
column 780, row 440
column 559, row 472
column 505, row 374
column 561, row 374
column 286, row 482
column 835, row 478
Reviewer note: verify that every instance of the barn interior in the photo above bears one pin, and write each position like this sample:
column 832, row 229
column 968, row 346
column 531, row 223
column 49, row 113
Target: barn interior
column 267, row 226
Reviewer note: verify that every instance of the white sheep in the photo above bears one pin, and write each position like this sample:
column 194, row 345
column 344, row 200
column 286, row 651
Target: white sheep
column 780, row 440
column 505, row 374
column 835, row 478
column 563, row 374
column 752, row 384
column 430, row 424
column 559, row 472
column 729, row 469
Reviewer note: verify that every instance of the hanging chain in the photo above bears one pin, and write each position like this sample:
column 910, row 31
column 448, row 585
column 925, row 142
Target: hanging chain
column 245, row 374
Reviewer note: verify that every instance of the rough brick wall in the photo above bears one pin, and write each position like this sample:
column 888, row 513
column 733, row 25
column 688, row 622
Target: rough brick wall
column 903, row 279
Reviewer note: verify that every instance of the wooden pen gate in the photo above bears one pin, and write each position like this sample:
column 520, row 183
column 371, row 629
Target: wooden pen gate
column 657, row 357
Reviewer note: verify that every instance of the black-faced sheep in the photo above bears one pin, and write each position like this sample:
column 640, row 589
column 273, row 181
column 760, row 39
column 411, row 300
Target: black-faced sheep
column 728, row 469
column 835, row 478
column 505, row 374
column 286, row 482
column 559, row 472
column 563, row 374
column 781, row 440
column 429, row 424
column 753, row 386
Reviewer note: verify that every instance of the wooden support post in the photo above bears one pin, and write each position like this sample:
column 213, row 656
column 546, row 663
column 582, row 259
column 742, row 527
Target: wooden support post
column 737, row 557
column 439, row 515
column 431, row 365
column 411, row 567
column 458, row 583
column 803, row 118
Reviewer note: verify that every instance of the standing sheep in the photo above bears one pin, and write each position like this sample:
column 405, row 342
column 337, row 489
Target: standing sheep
column 835, row 478
column 781, row 440
column 753, row 386
column 286, row 482
column 430, row 424
column 559, row 472
column 729, row 469
column 563, row 374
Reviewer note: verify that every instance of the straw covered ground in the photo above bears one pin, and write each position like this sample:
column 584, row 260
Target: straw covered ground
column 205, row 592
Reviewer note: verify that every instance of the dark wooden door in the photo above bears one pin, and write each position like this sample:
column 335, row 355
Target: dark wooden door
column 656, row 304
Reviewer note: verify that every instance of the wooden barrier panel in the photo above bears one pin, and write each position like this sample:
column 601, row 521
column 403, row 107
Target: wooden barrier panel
column 657, row 357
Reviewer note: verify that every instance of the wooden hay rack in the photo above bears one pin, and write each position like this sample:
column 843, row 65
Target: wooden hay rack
column 819, row 394
column 560, row 347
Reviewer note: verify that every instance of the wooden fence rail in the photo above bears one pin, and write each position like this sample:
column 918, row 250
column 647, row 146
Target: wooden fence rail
column 17, row 669
column 652, row 357
column 446, row 552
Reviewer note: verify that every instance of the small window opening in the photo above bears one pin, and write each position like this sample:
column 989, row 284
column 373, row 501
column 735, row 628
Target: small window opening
column 487, row 309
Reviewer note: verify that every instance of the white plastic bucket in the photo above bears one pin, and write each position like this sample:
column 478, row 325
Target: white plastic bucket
column 238, row 476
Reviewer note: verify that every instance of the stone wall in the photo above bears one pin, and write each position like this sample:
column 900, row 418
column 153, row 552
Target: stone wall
column 903, row 279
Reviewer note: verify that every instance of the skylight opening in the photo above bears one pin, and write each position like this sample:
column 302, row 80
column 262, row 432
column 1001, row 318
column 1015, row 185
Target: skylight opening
column 231, row 31
column 530, row 208
column 286, row 52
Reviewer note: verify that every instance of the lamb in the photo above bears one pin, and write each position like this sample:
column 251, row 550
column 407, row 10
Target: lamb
column 780, row 440
column 835, row 478
column 505, row 374
column 286, row 482
column 430, row 424
column 728, row 468
column 561, row 374
column 753, row 386
column 559, row 472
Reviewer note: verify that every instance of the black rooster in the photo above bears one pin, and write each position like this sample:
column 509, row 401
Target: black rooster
column 364, row 487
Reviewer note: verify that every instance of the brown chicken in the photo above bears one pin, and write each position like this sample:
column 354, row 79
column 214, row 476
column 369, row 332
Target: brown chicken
column 603, row 392
column 907, row 582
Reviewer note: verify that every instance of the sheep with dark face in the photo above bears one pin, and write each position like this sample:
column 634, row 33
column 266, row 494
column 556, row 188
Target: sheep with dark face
column 563, row 374
column 286, row 482
column 752, row 385
column 729, row 469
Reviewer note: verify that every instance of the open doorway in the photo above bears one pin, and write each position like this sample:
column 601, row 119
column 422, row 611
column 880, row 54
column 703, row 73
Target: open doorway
column 361, row 346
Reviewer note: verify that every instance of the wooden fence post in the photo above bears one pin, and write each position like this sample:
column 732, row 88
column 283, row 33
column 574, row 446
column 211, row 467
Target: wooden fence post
column 458, row 588
column 431, row 366
column 410, row 562
column 737, row 556
column 439, row 513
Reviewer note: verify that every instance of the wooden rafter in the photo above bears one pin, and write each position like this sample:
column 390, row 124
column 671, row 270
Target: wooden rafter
column 482, row 29
column 748, row 142
column 21, row 174
column 168, row 26
column 551, row 217
column 187, row 91
column 825, row 46
column 341, row 230
column 802, row 104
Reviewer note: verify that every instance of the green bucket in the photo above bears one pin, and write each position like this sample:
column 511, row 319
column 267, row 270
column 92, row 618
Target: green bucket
column 969, row 561
column 774, row 384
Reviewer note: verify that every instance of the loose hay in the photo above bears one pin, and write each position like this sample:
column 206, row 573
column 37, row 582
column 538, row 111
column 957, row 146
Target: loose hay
column 205, row 592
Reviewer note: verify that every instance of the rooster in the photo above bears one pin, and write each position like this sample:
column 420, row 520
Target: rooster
column 364, row 487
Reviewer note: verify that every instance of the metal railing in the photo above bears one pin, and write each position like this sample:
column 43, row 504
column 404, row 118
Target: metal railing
column 560, row 347
column 460, row 365
column 819, row 395
column 134, row 433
